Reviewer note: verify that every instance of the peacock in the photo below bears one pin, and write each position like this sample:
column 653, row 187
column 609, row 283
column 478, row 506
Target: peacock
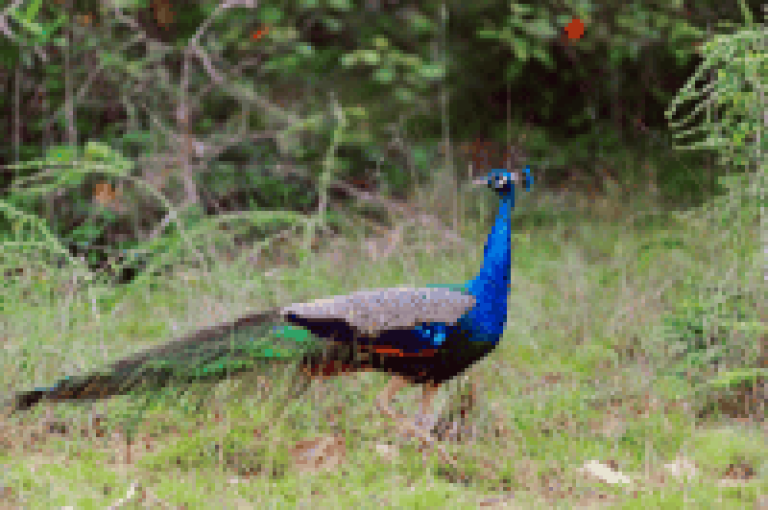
column 422, row 336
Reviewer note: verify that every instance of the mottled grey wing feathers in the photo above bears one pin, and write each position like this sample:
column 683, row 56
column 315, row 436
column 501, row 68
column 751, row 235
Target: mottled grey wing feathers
column 371, row 312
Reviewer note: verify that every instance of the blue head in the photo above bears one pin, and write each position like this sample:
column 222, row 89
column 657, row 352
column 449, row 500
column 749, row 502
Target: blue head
column 503, row 182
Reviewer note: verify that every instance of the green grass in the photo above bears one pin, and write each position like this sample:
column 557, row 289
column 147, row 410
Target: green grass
column 581, row 374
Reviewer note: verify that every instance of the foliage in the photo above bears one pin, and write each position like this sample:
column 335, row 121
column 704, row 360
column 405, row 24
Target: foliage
column 388, row 63
column 732, row 98
column 723, row 329
column 71, row 170
column 343, row 92
column 714, row 334
column 703, row 333
column 720, row 329
column 740, row 205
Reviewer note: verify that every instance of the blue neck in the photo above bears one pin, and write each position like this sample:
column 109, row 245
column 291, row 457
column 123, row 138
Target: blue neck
column 491, row 285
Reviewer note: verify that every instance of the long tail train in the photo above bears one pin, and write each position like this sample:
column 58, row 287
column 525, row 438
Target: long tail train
column 211, row 354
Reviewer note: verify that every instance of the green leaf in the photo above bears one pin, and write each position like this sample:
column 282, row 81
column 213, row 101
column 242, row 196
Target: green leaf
column 404, row 94
column 520, row 48
column 304, row 49
column 30, row 26
column 432, row 71
column 543, row 28
column 332, row 24
column 411, row 60
column 485, row 33
column 349, row 60
column 284, row 34
column 289, row 62
column 421, row 23
column 380, row 42
column 98, row 151
column 86, row 232
column 384, row 75
column 356, row 111
column 520, row 9
column 131, row 4
column 62, row 153
column 32, row 9
column 60, row 20
column 370, row 57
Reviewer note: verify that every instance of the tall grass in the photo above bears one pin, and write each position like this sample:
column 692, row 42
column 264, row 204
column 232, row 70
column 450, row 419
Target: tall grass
column 585, row 371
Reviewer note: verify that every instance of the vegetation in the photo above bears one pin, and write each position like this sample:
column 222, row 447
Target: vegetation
column 170, row 167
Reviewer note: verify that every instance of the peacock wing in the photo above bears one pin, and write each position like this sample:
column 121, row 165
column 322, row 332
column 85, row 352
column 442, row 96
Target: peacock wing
column 373, row 312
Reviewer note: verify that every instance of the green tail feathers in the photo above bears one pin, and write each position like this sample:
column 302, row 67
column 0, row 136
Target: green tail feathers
column 241, row 350
column 207, row 355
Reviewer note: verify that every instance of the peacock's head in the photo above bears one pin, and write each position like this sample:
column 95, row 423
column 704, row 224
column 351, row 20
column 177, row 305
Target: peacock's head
column 503, row 181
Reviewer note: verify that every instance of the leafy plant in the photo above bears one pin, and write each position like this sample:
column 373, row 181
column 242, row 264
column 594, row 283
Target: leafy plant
column 737, row 65
column 712, row 331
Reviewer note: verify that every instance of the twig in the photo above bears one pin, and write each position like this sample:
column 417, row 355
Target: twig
column 393, row 207
column 156, row 499
column 128, row 496
column 249, row 96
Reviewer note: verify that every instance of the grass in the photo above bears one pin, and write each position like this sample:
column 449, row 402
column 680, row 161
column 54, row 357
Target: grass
column 582, row 374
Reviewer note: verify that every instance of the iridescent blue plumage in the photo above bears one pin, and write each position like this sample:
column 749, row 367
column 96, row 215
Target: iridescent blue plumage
column 491, row 286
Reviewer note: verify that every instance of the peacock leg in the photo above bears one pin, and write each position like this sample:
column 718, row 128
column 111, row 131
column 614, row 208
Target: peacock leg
column 426, row 418
column 397, row 383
